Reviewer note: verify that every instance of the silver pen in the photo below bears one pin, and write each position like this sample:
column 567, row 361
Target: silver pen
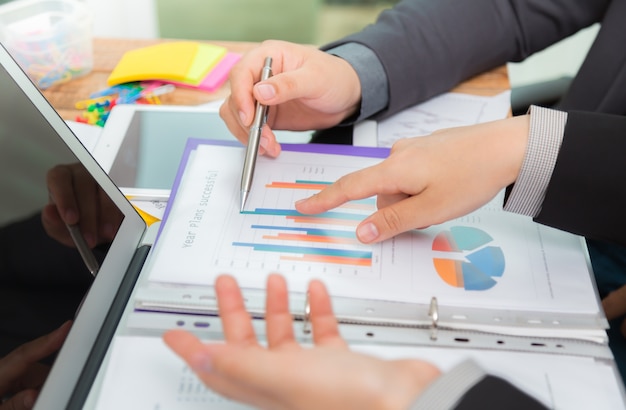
column 85, row 252
column 254, row 137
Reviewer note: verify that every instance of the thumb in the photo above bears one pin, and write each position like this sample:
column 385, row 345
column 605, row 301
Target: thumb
column 284, row 87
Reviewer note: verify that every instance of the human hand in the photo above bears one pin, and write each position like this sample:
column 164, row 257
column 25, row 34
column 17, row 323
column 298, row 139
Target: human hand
column 286, row 375
column 430, row 180
column 21, row 376
column 614, row 305
column 309, row 89
column 76, row 198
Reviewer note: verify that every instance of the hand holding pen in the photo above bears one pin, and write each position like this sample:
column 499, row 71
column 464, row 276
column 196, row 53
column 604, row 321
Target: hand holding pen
column 254, row 138
column 79, row 213
column 309, row 90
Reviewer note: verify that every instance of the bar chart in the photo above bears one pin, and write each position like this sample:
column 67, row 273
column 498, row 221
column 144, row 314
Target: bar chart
column 284, row 239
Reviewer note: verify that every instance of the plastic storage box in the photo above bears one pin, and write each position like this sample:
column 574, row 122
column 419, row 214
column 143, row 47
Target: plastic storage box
column 50, row 39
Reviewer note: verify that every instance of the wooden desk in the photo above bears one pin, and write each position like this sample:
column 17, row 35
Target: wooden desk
column 107, row 52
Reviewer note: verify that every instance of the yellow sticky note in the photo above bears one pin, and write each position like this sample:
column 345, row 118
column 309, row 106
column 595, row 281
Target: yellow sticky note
column 167, row 61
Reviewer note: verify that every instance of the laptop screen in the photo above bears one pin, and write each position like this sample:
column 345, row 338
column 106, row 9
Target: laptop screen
column 44, row 280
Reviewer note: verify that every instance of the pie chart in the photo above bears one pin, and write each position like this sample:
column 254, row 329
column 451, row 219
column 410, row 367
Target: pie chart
column 466, row 259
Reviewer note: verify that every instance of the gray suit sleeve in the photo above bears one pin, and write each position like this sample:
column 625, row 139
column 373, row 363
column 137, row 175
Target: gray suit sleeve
column 372, row 76
column 426, row 47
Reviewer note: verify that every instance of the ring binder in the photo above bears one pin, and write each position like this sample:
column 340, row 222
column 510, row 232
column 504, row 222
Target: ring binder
column 433, row 313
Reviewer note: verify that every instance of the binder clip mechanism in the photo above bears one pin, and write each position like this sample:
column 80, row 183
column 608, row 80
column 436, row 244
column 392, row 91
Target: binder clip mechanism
column 306, row 318
column 433, row 313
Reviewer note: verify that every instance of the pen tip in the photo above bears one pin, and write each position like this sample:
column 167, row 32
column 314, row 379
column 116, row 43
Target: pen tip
column 244, row 196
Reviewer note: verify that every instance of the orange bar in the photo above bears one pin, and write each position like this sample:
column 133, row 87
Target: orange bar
column 338, row 260
column 296, row 185
column 311, row 238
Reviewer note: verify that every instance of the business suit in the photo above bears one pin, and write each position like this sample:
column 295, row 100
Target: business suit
column 428, row 46
column 444, row 42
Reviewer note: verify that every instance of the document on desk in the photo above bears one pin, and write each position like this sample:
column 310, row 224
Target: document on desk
column 447, row 110
column 487, row 259
column 143, row 373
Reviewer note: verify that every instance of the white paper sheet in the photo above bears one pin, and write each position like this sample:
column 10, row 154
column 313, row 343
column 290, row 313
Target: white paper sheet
column 444, row 111
column 143, row 373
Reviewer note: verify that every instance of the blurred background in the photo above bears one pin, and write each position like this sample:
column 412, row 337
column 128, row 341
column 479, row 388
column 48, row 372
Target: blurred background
column 303, row 21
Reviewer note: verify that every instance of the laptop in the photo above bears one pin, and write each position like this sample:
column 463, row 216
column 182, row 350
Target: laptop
column 33, row 140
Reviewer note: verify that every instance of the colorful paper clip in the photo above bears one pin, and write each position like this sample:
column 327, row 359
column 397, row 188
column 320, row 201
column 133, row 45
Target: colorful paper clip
column 97, row 108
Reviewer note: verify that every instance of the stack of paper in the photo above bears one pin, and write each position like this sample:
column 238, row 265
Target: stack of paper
column 184, row 63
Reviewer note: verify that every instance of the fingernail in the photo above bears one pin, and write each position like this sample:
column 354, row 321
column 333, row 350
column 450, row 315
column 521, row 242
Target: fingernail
column 274, row 150
column 201, row 362
column 242, row 117
column 301, row 201
column 266, row 91
column 367, row 232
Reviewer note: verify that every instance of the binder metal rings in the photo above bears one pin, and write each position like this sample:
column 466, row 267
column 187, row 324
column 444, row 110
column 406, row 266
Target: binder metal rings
column 433, row 312
column 306, row 319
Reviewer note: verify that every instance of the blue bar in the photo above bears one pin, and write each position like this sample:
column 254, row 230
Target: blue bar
column 306, row 181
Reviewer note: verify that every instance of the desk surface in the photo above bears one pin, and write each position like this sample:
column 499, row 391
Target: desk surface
column 107, row 52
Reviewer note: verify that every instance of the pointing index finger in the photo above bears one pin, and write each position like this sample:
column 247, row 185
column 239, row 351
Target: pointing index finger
column 357, row 185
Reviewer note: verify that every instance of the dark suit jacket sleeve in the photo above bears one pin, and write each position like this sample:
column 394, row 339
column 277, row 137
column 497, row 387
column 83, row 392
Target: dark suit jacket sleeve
column 468, row 386
column 428, row 46
column 585, row 194
column 495, row 393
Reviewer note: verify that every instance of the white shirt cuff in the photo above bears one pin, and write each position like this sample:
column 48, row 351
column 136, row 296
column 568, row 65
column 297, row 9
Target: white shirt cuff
column 544, row 142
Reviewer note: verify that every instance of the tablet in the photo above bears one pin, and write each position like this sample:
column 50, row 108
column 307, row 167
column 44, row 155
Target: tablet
column 141, row 145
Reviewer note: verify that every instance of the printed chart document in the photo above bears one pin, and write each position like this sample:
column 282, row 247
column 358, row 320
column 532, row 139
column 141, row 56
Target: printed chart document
column 447, row 110
column 489, row 260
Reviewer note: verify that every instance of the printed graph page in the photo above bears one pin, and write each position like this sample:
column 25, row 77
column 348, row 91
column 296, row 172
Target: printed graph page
column 444, row 111
column 486, row 259
column 143, row 373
